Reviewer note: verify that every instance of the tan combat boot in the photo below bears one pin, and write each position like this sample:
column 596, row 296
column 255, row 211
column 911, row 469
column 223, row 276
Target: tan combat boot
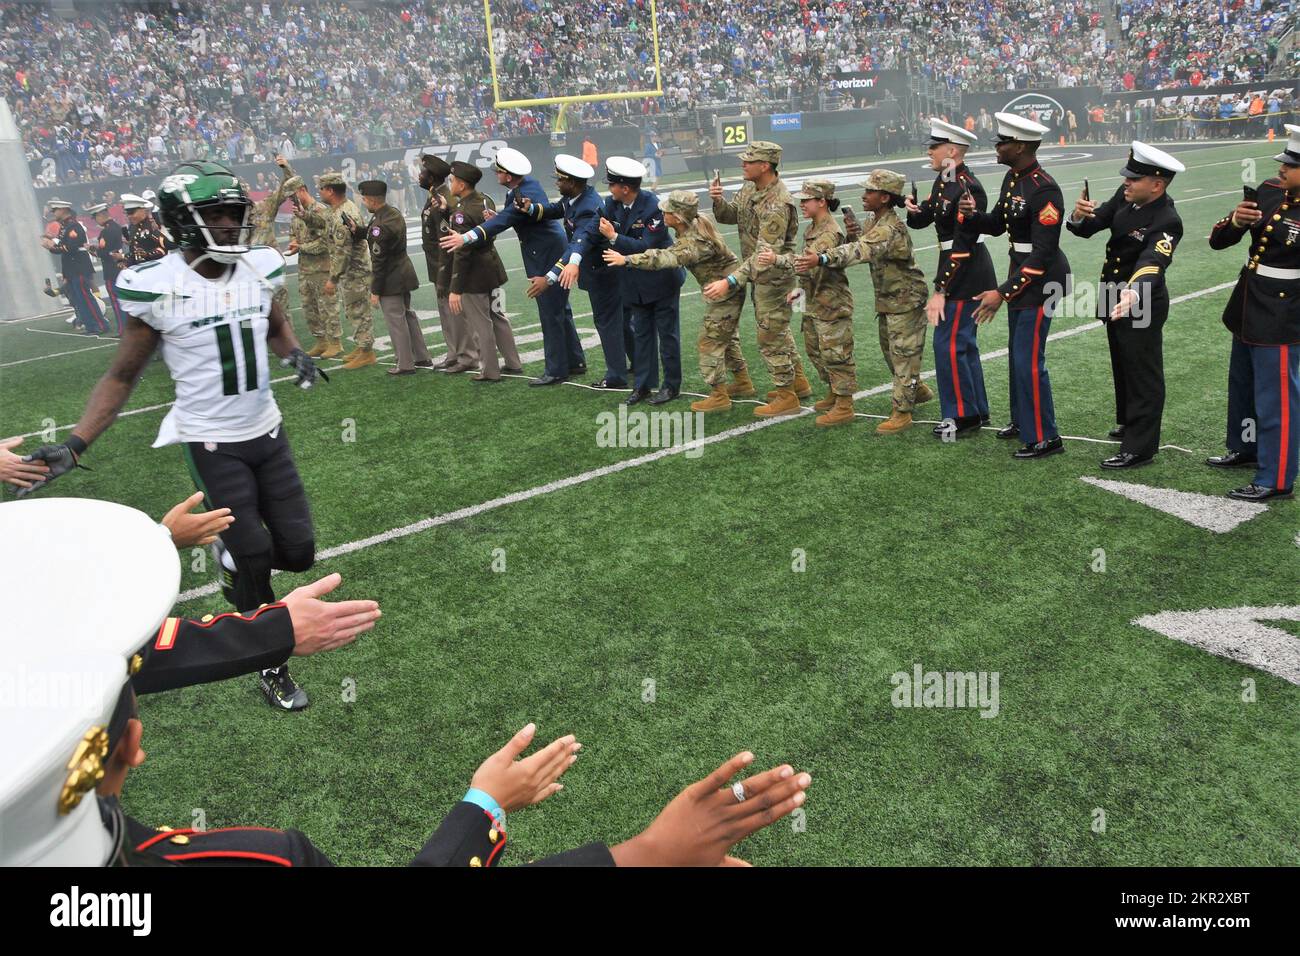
column 361, row 359
column 742, row 386
column 785, row 402
column 841, row 414
column 897, row 422
column 316, row 350
column 923, row 393
column 333, row 349
column 825, row 404
column 718, row 401
column 802, row 387
column 351, row 355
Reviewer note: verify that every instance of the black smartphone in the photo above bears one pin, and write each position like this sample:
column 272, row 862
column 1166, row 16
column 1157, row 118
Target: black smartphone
column 1250, row 193
column 1086, row 194
column 848, row 214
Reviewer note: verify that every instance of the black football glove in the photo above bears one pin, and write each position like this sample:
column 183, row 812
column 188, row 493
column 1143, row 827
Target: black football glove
column 306, row 368
column 61, row 460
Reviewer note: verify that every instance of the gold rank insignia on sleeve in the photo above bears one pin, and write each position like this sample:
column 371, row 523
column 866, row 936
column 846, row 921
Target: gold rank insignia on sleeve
column 1165, row 246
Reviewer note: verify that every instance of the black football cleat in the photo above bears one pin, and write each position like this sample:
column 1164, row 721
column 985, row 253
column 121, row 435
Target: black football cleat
column 1253, row 492
column 280, row 690
column 1011, row 430
column 1053, row 446
column 1233, row 459
column 1116, row 432
column 1126, row 459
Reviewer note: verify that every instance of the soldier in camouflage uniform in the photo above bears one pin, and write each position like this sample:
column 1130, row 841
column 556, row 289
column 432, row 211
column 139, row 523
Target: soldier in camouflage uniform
column 827, row 305
column 309, row 236
column 349, row 265
column 264, row 213
column 698, row 247
column 766, row 216
column 901, row 289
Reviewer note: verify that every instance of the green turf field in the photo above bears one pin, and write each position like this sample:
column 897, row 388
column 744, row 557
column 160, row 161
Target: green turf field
column 681, row 571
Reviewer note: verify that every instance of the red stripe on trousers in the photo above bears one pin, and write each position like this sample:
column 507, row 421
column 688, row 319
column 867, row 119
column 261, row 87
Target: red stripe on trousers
column 93, row 304
column 1286, row 416
column 1038, row 407
column 952, row 357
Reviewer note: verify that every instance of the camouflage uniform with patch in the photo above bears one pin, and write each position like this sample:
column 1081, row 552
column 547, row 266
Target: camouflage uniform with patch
column 827, row 302
column 719, row 341
column 901, row 289
column 349, row 262
column 264, row 212
column 767, row 218
column 311, row 229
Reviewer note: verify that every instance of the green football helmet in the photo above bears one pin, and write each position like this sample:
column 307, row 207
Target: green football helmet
column 193, row 188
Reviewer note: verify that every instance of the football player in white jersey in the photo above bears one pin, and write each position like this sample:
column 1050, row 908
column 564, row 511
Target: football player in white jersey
column 209, row 305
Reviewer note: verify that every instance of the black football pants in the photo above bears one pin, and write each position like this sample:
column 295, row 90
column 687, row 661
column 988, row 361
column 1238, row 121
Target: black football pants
column 258, row 481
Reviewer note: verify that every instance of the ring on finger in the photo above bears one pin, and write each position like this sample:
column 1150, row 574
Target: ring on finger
column 738, row 790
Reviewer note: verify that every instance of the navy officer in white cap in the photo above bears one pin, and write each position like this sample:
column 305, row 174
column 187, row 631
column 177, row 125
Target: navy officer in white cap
column 1263, row 315
column 632, row 223
column 965, row 270
column 1132, row 297
column 541, row 243
column 1029, row 211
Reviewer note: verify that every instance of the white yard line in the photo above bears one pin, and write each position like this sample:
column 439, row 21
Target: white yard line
column 37, row 358
column 545, row 489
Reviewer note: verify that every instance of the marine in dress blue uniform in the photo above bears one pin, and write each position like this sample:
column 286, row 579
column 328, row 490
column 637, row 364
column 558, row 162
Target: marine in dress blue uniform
column 1029, row 213
column 1133, row 301
column 965, row 270
column 652, row 298
column 541, row 243
column 109, row 246
column 1263, row 315
column 78, row 272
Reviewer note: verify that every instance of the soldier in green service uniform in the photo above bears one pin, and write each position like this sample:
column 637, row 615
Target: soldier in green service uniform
column 698, row 247
column 827, row 304
column 901, row 289
column 766, row 216
column 309, row 237
column 349, row 275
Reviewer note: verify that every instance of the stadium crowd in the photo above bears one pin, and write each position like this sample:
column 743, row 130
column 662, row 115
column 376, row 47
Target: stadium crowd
column 130, row 89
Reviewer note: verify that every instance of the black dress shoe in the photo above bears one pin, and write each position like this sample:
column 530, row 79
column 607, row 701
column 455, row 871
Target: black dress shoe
column 663, row 395
column 1255, row 492
column 578, row 370
column 1053, row 446
column 545, row 380
column 1126, row 459
column 606, row 383
column 957, row 427
column 512, row 371
column 638, row 395
column 1009, row 431
column 1233, row 459
column 985, row 421
column 427, row 363
column 1116, row 432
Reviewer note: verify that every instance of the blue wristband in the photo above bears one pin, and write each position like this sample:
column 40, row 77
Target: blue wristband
column 483, row 799
column 731, row 281
column 823, row 258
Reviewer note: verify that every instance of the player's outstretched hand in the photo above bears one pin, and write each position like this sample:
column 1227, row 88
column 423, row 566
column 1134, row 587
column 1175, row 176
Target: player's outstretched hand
column 59, row 458
column 322, row 625
column 516, row 784
column 708, row 818
column 194, row 530
column 307, row 369
column 17, row 470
